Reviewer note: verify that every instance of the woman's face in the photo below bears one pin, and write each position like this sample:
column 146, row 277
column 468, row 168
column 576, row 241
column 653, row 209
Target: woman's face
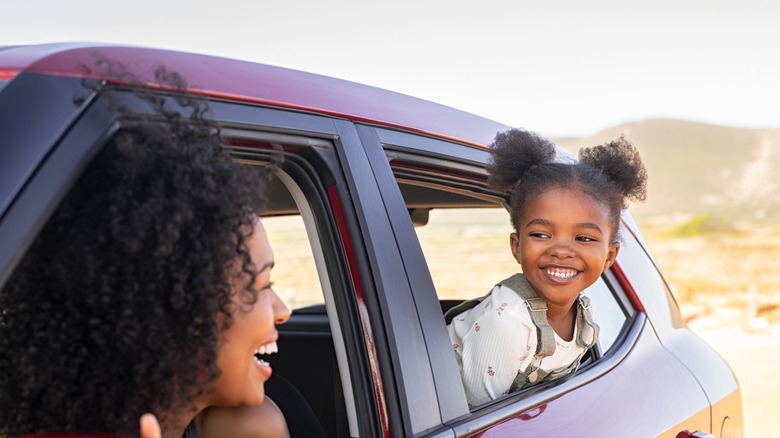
column 252, row 333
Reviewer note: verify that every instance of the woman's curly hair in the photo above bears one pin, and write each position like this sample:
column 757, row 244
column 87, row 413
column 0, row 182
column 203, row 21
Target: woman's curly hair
column 523, row 164
column 118, row 306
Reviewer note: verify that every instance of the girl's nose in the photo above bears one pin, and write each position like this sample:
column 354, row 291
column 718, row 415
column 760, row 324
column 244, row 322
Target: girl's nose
column 561, row 249
column 281, row 312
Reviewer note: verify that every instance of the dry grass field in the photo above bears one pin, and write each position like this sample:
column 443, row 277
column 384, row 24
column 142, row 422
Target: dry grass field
column 709, row 269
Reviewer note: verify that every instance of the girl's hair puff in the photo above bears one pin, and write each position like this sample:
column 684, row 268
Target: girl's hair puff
column 523, row 164
column 620, row 161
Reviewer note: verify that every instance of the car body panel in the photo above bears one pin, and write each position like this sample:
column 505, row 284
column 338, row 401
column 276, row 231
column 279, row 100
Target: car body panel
column 593, row 411
column 251, row 82
column 717, row 379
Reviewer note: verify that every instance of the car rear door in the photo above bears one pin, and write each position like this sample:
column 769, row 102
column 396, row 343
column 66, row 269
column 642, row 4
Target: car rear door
column 634, row 388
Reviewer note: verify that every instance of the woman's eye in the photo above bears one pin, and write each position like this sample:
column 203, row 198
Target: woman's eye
column 265, row 286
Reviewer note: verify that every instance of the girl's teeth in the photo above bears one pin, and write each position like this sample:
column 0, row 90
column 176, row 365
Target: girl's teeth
column 561, row 273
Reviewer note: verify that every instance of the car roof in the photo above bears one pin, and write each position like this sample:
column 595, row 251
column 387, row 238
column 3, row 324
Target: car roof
column 258, row 83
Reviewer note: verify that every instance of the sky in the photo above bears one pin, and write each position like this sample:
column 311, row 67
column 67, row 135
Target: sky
column 558, row 67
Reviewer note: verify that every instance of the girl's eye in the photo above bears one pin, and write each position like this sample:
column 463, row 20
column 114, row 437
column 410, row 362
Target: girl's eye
column 586, row 239
column 539, row 235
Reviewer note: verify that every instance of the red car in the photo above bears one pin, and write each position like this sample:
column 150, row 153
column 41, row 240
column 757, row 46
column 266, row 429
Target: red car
column 382, row 212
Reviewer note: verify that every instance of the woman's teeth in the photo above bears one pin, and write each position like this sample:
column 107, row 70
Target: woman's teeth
column 267, row 349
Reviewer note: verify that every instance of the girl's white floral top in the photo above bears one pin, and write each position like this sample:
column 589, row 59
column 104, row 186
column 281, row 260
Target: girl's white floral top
column 495, row 340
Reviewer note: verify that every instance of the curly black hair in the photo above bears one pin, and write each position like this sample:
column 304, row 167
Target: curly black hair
column 118, row 305
column 524, row 164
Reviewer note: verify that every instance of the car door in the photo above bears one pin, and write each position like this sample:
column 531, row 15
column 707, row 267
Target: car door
column 384, row 382
column 631, row 385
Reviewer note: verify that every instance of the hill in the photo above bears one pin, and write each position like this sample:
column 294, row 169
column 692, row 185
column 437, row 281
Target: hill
column 697, row 168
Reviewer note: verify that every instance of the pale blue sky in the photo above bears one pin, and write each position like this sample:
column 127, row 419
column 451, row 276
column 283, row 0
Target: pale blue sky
column 567, row 67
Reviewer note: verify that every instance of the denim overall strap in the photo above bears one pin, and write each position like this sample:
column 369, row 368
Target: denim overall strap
column 462, row 307
column 534, row 374
column 586, row 336
column 587, row 329
column 537, row 308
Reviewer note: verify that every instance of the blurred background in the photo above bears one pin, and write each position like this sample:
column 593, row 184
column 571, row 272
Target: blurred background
column 692, row 83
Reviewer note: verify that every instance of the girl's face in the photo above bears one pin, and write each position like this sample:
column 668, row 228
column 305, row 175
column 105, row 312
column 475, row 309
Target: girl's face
column 253, row 331
column 563, row 244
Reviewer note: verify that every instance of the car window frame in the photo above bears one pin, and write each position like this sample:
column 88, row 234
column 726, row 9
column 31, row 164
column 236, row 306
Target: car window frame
column 47, row 160
column 406, row 402
column 354, row 361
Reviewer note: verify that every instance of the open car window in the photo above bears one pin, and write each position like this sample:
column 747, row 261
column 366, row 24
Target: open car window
column 312, row 353
column 467, row 252
column 464, row 234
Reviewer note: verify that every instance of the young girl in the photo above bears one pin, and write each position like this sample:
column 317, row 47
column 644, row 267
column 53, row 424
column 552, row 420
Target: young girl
column 536, row 326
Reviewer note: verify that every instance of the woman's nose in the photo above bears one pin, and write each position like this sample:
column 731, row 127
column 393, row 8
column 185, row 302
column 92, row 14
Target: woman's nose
column 281, row 312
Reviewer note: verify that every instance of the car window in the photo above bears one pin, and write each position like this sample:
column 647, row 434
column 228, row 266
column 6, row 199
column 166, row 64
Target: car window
column 467, row 252
column 298, row 284
column 312, row 354
column 612, row 315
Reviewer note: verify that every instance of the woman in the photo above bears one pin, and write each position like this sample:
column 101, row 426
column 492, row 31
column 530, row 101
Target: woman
column 148, row 290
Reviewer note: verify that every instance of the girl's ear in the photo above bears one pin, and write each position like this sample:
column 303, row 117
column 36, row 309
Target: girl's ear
column 612, row 253
column 514, row 244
